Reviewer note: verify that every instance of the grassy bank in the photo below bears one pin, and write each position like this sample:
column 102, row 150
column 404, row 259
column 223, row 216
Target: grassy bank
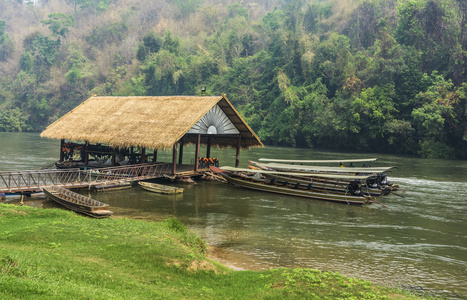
column 57, row 254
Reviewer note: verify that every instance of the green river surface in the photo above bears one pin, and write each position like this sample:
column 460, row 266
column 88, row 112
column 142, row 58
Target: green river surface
column 419, row 242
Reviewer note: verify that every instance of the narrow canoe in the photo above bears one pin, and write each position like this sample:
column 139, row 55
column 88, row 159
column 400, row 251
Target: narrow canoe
column 160, row 188
column 77, row 202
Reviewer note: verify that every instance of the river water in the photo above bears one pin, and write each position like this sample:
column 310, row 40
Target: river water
column 418, row 242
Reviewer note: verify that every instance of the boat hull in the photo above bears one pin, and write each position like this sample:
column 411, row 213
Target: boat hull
column 77, row 202
column 373, row 185
column 300, row 191
column 340, row 186
column 160, row 188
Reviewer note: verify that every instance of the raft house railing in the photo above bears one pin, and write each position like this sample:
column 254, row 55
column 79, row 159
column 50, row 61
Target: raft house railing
column 31, row 181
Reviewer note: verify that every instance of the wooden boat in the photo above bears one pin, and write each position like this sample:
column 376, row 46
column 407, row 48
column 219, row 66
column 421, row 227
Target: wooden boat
column 241, row 177
column 355, row 186
column 77, row 202
column 160, row 188
column 322, row 169
column 344, row 183
column 319, row 161
column 375, row 183
column 69, row 164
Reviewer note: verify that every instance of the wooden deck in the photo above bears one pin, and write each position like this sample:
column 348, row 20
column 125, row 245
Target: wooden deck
column 32, row 181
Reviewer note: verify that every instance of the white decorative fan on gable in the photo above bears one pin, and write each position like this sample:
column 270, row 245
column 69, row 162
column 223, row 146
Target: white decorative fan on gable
column 214, row 121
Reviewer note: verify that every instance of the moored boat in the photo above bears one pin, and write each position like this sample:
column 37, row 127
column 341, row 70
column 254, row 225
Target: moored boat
column 319, row 161
column 160, row 188
column 242, row 178
column 375, row 183
column 77, row 202
column 323, row 169
column 339, row 185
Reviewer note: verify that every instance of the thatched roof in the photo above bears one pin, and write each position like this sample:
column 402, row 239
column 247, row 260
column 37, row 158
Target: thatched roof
column 151, row 122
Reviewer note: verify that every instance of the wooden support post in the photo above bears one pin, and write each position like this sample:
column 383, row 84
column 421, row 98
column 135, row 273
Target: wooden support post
column 180, row 155
column 143, row 155
column 237, row 154
column 198, row 142
column 113, row 158
column 62, row 141
column 131, row 155
column 208, row 150
column 174, row 159
column 86, row 153
column 154, row 158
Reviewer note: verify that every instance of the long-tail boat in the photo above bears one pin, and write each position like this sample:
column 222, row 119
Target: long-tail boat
column 319, row 161
column 253, row 179
column 339, row 185
column 77, row 202
column 376, row 182
column 324, row 169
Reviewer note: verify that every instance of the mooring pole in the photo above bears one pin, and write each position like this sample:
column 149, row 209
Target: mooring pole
column 180, row 155
column 62, row 141
column 114, row 160
column 208, row 150
column 86, row 153
column 198, row 142
column 237, row 154
column 143, row 155
column 174, row 159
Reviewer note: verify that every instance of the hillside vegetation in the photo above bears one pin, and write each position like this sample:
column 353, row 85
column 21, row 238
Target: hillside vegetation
column 366, row 75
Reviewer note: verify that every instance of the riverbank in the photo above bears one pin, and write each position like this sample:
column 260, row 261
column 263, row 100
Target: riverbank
column 52, row 253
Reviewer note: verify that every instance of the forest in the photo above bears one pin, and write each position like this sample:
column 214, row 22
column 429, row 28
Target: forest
column 355, row 75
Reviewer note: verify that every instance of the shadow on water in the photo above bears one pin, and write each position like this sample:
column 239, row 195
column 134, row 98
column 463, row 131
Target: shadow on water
column 419, row 242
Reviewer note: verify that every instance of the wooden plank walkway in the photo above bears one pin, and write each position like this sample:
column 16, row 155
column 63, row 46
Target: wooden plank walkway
column 32, row 181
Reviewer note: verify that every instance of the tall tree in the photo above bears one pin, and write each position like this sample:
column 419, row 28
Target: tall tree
column 439, row 118
column 7, row 45
column 59, row 24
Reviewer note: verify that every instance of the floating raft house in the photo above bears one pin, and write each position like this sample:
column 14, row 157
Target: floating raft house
column 164, row 122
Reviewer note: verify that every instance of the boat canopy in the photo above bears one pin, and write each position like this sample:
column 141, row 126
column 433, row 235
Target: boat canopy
column 322, row 175
column 319, row 161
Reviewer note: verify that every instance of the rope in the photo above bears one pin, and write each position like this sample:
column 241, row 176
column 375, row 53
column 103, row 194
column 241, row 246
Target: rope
column 346, row 197
column 385, row 206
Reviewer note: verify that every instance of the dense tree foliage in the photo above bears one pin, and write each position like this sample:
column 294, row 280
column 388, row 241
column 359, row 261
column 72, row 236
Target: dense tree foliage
column 7, row 45
column 369, row 75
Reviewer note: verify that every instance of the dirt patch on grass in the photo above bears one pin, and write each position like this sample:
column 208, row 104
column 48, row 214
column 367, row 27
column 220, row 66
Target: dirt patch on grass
column 203, row 265
column 19, row 212
column 194, row 266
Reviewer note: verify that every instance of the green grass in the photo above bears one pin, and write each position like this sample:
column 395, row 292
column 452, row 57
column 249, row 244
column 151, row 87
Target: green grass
column 56, row 254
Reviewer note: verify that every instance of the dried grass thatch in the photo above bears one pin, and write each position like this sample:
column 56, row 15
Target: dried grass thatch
column 151, row 122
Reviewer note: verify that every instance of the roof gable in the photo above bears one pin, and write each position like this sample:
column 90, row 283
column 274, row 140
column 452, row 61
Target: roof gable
column 215, row 121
